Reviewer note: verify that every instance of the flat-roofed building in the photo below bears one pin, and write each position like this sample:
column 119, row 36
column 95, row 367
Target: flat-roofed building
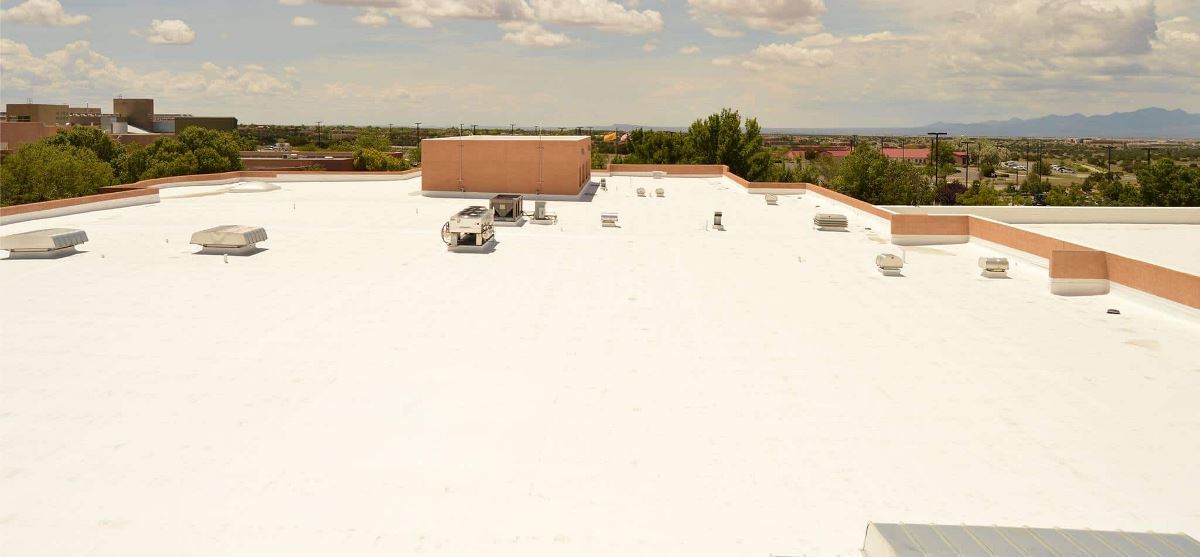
column 545, row 165
column 33, row 112
column 137, row 112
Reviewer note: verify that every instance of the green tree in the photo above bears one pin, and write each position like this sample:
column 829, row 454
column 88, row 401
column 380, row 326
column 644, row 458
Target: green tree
column 87, row 137
column 980, row 194
column 43, row 171
column 654, row 147
column 1035, row 184
column 1166, row 184
column 721, row 139
column 868, row 175
column 373, row 160
column 373, row 139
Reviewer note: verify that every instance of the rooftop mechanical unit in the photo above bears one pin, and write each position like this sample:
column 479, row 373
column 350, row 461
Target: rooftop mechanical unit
column 772, row 199
column 507, row 208
column 660, row 192
column 889, row 263
column 996, row 265
column 830, row 221
column 472, row 226
column 604, row 184
column 230, row 237
column 48, row 241
column 608, row 220
column 718, row 223
column 658, row 174
column 540, row 216
column 641, row 192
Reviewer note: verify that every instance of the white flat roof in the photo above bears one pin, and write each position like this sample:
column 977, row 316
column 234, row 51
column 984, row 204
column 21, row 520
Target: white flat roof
column 1169, row 245
column 510, row 138
column 653, row 389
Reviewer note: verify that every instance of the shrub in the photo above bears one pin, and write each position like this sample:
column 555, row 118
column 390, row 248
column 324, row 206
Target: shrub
column 42, row 172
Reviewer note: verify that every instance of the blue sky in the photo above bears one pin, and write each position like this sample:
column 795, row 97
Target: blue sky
column 791, row 63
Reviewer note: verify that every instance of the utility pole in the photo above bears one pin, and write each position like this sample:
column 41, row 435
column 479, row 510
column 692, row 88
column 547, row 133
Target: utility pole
column 418, row 134
column 1109, row 148
column 967, row 166
column 512, row 129
column 460, row 130
column 1148, row 150
column 935, row 140
column 318, row 131
column 472, row 129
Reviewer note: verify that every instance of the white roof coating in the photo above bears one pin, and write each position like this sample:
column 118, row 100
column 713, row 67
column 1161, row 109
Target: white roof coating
column 654, row 389
column 1169, row 245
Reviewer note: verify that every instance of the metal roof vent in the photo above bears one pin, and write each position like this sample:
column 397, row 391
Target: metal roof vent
column 772, row 199
column 718, row 223
column 233, row 239
column 471, row 227
column 830, row 221
column 658, row 174
column 641, row 192
column 889, row 263
column 609, row 220
column 994, row 266
column 48, row 243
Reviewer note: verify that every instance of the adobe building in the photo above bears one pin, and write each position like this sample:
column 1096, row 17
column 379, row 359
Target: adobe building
column 520, row 164
column 136, row 112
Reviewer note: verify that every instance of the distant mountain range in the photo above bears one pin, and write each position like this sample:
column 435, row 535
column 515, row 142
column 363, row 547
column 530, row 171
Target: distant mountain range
column 1156, row 123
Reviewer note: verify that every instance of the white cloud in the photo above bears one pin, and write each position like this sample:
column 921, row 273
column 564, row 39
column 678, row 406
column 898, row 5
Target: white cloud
column 723, row 61
column 690, row 49
column 604, row 15
column 41, row 12
column 168, row 31
column 532, row 34
column 76, row 69
column 779, row 16
column 302, row 21
column 372, row 17
column 723, row 32
column 795, row 54
column 650, row 45
column 292, row 2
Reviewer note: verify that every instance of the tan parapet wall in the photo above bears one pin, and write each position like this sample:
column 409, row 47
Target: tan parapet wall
column 671, row 169
column 1075, row 272
column 1177, row 286
column 1017, row 238
column 917, row 229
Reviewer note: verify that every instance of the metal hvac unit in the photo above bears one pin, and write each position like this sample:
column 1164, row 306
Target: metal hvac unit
column 507, row 208
column 889, row 263
column 472, row 226
column 540, row 216
column 830, row 221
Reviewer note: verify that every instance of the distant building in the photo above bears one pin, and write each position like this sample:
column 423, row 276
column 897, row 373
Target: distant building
column 138, row 113
column 222, row 123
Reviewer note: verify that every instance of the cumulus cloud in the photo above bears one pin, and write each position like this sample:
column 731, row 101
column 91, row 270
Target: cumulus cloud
column 604, row 15
column 77, row 69
column 41, row 12
column 779, row 16
column 292, row 2
column 301, row 21
column 690, row 49
column 168, row 31
column 795, row 54
column 372, row 17
column 532, row 34
column 723, row 32
column 650, row 45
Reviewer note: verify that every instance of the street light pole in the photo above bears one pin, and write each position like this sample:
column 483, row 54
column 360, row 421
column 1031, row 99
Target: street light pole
column 512, row 129
column 418, row 133
column 967, row 165
column 936, row 138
